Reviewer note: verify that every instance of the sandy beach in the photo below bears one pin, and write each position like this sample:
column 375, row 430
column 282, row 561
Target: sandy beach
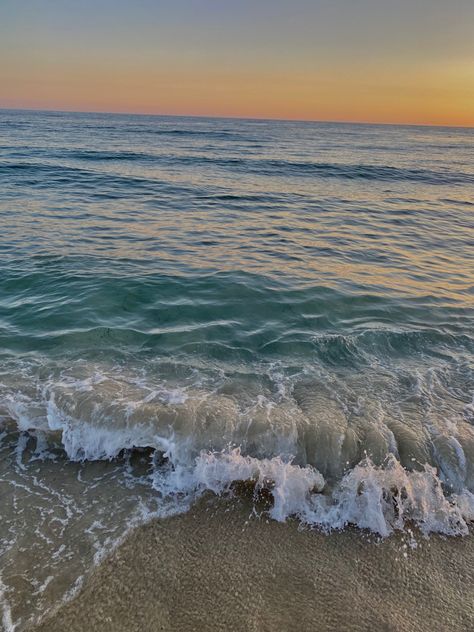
column 217, row 568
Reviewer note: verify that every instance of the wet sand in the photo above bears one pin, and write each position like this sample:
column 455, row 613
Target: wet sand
column 215, row 569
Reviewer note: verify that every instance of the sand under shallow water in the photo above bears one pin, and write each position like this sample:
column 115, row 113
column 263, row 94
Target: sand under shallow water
column 213, row 568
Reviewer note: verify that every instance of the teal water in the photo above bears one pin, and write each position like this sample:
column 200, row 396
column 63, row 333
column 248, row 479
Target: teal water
column 189, row 302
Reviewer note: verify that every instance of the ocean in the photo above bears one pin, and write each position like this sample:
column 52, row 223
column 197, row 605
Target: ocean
column 188, row 303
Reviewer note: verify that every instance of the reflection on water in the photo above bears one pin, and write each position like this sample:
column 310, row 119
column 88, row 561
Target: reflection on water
column 384, row 208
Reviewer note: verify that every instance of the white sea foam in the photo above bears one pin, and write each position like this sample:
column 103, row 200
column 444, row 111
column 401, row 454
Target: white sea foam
column 381, row 497
column 84, row 441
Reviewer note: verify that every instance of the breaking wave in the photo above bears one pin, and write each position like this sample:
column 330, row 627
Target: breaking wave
column 398, row 456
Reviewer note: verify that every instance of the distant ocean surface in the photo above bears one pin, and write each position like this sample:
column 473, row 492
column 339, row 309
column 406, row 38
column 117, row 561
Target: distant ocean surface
column 186, row 303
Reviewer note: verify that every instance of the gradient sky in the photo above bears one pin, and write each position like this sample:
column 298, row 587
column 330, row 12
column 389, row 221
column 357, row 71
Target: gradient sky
column 408, row 61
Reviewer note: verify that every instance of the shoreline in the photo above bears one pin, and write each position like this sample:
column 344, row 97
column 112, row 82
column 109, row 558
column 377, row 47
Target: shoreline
column 217, row 567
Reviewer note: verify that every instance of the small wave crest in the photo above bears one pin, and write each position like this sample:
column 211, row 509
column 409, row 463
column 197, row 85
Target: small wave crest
column 260, row 166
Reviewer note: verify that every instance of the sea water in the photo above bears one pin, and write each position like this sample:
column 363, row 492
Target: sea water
column 187, row 302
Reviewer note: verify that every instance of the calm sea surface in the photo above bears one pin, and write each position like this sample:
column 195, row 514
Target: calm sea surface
column 189, row 302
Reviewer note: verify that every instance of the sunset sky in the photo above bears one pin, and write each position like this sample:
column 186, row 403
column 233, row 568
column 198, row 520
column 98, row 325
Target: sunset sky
column 395, row 61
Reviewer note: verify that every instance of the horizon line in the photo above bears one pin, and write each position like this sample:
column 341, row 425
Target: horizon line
column 233, row 118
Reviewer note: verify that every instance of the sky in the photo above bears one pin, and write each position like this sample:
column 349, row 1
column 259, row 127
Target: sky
column 381, row 61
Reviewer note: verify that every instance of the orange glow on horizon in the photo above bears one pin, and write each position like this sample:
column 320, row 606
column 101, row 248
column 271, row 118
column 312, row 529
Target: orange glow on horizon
column 438, row 97
column 323, row 62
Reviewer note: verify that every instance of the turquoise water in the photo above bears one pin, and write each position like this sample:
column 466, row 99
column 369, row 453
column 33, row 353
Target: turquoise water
column 288, row 302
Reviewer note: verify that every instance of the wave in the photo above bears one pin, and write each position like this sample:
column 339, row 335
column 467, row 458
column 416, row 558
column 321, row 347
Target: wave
column 381, row 498
column 153, row 130
column 347, row 171
column 260, row 166
column 379, row 464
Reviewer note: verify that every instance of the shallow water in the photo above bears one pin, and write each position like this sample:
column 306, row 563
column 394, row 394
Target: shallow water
column 291, row 303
